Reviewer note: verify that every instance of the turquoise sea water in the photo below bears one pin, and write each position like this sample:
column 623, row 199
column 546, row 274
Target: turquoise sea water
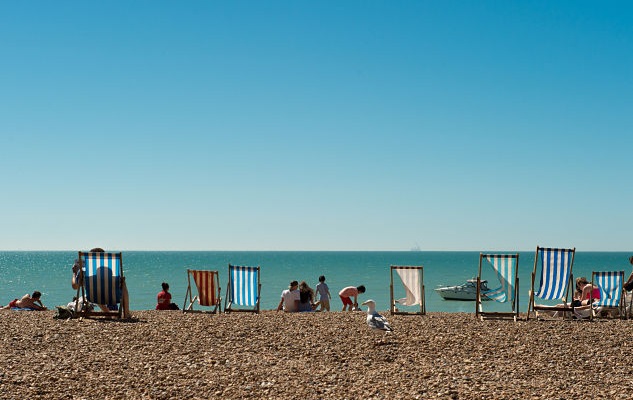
column 50, row 273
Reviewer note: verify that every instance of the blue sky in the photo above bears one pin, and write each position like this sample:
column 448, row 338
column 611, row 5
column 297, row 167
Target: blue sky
column 293, row 125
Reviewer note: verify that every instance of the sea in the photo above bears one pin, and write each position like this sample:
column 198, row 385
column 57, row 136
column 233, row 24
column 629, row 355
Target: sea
column 50, row 272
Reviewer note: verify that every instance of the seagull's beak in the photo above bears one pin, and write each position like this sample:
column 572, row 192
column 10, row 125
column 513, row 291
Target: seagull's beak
column 364, row 303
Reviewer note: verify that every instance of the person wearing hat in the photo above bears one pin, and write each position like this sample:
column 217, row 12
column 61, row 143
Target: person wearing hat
column 290, row 298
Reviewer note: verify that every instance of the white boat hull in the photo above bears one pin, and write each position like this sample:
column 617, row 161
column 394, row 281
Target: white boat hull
column 465, row 292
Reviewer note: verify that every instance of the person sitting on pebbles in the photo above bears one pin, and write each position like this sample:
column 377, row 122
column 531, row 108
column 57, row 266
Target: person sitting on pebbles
column 290, row 298
column 306, row 298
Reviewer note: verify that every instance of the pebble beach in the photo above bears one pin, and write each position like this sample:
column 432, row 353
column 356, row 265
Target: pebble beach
column 274, row 355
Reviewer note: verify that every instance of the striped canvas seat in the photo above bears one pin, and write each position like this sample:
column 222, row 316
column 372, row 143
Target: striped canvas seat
column 505, row 267
column 243, row 289
column 102, row 276
column 412, row 278
column 207, row 284
column 610, row 285
column 555, row 278
column 555, row 273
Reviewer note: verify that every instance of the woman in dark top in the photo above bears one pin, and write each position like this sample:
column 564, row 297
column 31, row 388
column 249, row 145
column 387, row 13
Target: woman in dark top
column 306, row 297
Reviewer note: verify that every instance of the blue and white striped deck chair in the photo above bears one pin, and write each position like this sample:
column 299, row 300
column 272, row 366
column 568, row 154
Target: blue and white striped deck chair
column 611, row 288
column 506, row 268
column 243, row 289
column 101, row 276
column 556, row 278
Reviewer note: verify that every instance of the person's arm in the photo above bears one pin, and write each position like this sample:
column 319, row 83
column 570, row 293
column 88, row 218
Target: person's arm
column 280, row 306
column 586, row 295
column 32, row 303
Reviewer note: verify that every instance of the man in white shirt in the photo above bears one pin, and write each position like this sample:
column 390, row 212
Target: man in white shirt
column 290, row 298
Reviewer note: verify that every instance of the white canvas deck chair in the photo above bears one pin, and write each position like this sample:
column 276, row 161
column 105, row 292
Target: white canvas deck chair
column 243, row 289
column 556, row 280
column 101, row 278
column 413, row 281
column 506, row 268
column 207, row 285
column 611, row 293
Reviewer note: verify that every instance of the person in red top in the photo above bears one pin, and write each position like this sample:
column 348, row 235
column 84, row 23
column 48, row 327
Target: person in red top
column 589, row 292
column 163, row 299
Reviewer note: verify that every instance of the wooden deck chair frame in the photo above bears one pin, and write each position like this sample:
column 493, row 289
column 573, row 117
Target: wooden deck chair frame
column 392, row 303
column 534, row 308
column 253, row 287
column 514, row 302
column 92, row 297
column 206, row 296
column 620, row 307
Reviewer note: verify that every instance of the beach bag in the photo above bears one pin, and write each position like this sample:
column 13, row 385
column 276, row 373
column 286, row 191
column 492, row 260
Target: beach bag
column 64, row 313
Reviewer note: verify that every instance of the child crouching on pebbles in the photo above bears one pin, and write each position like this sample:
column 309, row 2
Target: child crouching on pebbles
column 348, row 292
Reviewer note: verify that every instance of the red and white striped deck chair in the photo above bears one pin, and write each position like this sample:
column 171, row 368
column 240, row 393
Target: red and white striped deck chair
column 208, row 288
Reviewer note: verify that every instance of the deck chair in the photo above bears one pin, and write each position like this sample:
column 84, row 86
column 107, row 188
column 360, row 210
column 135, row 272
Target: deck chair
column 207, row 283
column 243, row 289
column 101, row 277
column 556, row 279
column 611, row 292
column 413, row 280
column 506, row 267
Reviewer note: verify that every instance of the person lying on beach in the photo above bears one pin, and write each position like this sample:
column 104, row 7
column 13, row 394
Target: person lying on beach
column 350, row 291
column 28, row 302
column 290, row 298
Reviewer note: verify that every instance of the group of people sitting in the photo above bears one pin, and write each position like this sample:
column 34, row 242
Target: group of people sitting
column 585, row 295
column 300, row 297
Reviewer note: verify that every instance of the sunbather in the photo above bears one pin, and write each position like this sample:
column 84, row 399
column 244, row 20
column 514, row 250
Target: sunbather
column 30, row 302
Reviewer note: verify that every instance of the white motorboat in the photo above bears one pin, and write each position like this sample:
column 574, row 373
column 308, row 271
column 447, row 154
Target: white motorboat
column 465, row 291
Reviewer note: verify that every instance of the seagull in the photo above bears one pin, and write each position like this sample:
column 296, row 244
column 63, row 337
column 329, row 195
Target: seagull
column 375, row 321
